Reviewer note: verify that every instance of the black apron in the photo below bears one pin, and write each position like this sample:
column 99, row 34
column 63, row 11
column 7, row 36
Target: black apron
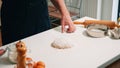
column 23, row 18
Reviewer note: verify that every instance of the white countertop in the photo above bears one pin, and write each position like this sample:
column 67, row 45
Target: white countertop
column 87, row 52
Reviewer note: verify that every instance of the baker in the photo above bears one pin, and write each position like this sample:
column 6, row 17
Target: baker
column 23, row 18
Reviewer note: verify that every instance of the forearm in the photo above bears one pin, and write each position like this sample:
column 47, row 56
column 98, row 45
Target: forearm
column 60, row 5
column 65, row 16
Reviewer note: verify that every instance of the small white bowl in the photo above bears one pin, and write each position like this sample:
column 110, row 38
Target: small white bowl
column 97, row 30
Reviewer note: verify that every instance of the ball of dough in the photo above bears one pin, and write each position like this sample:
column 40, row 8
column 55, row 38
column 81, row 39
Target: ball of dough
column 62, row 43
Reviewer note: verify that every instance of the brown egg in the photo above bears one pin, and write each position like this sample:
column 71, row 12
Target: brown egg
column 39, row 64
column 30, row 65
column 28, row 59
column 35, row 65
column 40, row 67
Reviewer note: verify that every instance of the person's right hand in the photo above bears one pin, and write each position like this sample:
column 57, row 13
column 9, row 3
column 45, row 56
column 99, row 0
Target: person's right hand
column 66, row 21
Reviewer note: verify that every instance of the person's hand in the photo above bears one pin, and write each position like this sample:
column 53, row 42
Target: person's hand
column 66, row 21
column 2, row 51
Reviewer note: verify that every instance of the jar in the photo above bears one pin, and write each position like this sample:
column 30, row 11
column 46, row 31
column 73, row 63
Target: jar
column 12, row 53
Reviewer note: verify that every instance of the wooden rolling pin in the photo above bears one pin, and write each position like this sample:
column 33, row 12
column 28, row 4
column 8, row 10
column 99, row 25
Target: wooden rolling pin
column 110, row 24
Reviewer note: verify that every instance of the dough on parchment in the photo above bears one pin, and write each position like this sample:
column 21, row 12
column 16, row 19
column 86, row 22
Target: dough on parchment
column 62, row 43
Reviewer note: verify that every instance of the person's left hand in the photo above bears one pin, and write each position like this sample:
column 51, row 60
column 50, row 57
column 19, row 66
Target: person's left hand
column 2, row 51
column 66, row 21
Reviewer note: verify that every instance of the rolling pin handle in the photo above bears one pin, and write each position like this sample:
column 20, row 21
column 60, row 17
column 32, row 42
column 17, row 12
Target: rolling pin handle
column 116, row 25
